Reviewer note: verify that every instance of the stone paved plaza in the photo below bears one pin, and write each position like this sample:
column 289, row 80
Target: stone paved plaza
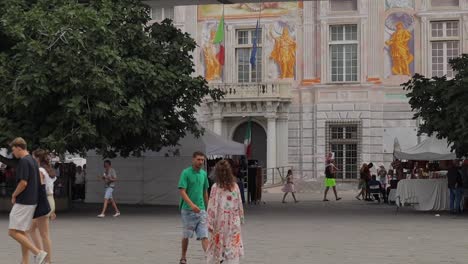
column 348, row 231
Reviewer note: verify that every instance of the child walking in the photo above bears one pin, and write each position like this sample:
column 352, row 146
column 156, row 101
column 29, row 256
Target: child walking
column 225, row 215
column 289, row 187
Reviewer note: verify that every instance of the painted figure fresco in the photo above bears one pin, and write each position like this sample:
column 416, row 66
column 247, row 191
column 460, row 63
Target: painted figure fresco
column 213, row 67
column 252, row 10
column 284, row 54
column 400, row 52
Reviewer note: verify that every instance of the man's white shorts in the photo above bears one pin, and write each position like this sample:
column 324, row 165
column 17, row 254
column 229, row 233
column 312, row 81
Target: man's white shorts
column 21, row 217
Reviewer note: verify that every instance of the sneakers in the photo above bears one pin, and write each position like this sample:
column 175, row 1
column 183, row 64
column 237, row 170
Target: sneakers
column 40, row 258
column 103, row 215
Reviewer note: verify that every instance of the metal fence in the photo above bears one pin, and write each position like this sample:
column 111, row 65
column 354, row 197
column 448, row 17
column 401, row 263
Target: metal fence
column 273, row 177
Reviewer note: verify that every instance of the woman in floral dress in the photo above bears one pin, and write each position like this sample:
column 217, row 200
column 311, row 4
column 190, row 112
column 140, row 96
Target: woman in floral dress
column 225, row 215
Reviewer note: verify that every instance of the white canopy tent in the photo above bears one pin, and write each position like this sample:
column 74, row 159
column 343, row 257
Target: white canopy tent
column 214, row 145
column 153, row 178
column 429, row 149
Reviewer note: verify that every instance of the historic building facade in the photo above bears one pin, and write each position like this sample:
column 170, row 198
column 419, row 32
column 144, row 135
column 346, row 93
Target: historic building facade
column 326, row 77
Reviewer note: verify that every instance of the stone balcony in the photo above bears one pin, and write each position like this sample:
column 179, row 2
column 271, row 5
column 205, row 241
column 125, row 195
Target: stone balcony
column 254, row 91
column 250, row 99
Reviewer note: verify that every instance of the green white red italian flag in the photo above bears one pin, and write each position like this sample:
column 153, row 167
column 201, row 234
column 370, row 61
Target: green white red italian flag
column 248, row 140
column 219, row 39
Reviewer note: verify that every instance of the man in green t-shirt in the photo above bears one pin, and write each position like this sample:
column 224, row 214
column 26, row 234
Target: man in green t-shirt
column 193, row 187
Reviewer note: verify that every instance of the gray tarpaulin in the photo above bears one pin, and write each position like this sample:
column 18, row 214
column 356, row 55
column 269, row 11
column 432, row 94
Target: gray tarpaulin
column 153, row 178
column 429, row 149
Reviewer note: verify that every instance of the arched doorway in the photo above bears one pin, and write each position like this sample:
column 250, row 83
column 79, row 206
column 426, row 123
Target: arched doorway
column 259, row 141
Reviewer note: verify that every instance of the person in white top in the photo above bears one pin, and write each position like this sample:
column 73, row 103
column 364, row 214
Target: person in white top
column 80, row 181
column 39, row 231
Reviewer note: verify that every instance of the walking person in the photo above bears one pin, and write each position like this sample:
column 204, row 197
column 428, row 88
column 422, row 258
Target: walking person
column 80, row 182
column 330, row 180
column 362, row 182
column 24, row 200
column 289, row 187
column 193, row 188
column 455, row 184
column 225, row 216
column 109, row 177
column 368, row 179
column 39, row 231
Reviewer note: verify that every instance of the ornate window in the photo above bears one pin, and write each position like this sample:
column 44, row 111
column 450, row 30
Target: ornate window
column 343, row 41
column 244, row 45
column 445, row 45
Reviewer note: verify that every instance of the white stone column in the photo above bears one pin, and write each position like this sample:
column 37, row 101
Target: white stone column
column 309, row 40
column 271, row 142
column 218, row 125
column 464, row 43
column 217, row 117
column 424, row 52
column 282, row 140
column 271, row 149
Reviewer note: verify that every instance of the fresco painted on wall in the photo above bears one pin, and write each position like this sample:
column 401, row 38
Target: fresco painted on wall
column 399, row 4
column 399, row 44
column 281, row 49
column 284, row 54
column 267, row 9
column 212, row 65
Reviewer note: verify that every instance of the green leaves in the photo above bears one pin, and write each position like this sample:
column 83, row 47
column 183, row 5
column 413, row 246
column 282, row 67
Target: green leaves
column 441, row 104
column 77, row 77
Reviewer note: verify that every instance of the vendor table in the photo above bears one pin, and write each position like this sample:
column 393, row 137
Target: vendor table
column 425, row 195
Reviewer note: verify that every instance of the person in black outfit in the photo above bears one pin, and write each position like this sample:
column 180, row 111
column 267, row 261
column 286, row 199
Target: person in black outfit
column 455, row 185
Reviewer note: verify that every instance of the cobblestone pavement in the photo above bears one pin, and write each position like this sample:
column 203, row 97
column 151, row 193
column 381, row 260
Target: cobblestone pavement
column 347, row 231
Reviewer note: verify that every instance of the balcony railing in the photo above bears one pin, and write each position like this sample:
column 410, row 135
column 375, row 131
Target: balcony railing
column 253, row 90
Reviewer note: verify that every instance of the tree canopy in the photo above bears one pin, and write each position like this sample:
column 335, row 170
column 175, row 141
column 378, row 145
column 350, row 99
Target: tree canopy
column 441, row 104
column 76, row 77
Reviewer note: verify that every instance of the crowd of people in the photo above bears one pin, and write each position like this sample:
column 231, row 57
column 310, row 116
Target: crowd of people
column 213, row 213
column 374, row 186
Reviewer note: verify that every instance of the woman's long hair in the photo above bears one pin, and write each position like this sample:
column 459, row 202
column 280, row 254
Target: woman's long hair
column 363, row 168
column 44, row 161
column 224, row 177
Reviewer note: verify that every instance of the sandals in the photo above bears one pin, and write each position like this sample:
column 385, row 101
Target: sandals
column 183, row 261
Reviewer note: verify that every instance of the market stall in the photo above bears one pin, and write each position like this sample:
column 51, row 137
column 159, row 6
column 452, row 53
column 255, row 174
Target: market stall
column 422, row 181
